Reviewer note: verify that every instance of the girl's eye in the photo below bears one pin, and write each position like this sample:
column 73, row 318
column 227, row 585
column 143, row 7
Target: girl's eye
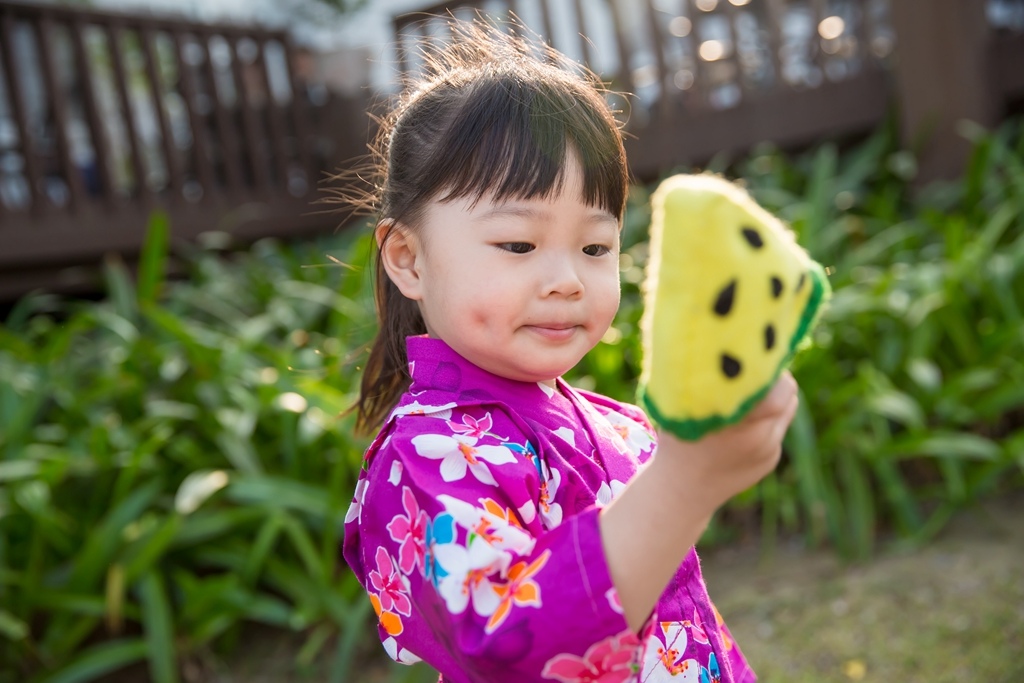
column 516, row 247
column 596, row 250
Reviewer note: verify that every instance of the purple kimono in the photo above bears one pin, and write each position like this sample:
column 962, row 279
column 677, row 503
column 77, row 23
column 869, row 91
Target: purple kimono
column 474, row 529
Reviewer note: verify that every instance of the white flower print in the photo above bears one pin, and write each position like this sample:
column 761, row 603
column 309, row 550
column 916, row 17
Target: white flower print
column 550, row 511
column 460, row 453
column 443, row 412
column 566, row 435
column 663, row 659
column 636, row 437
column 495, row 525
column 528, row 511
column 395, row 475
column 469, row 575
column 614, row 602
column 399, row 654
column 609, row 491
column 355, row 508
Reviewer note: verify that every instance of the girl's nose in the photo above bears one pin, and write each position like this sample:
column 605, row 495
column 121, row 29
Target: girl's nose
column 562, row 278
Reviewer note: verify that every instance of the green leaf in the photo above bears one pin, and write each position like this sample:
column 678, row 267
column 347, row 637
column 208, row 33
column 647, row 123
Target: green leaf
column 99, row 660
column 897, row 406
column 104, row 540
column 159, row 628
column 11, row 627
column 939, row 444
column 144, row 553
column 119, row 287
column 279, row 492
column 153, row 259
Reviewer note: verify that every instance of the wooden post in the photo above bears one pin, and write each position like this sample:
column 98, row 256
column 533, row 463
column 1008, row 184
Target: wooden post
column 943, row 76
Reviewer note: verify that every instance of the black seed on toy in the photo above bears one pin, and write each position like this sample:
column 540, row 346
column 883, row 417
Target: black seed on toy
column 776, row 287
column 723, row 304
column 800, row 282
column 730, row 366
column 769, row 337
column 753, row 237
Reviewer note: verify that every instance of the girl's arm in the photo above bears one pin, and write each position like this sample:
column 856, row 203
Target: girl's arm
column 643, row 546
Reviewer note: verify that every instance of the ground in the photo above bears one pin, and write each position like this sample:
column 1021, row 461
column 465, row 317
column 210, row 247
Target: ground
column 949, row 612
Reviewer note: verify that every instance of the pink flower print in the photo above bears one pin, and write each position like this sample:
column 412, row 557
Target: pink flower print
column 391, row 586
column 697, row 628
column 472, row 427
column 410, row 531
column 608, row 661
column 460, row 453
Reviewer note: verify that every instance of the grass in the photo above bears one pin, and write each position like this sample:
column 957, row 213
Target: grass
column 948, row 612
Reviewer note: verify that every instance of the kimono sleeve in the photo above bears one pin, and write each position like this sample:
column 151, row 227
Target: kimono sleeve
column 461, row 570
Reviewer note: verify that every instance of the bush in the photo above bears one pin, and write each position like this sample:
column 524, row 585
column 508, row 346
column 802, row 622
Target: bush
column 173, row 463
column 912, row 399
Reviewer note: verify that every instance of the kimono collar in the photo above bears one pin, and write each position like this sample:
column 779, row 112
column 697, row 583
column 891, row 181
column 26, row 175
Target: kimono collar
column 434, row 366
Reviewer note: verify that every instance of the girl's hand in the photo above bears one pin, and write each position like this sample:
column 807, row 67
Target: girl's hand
column 650, row 527
column 733, row 459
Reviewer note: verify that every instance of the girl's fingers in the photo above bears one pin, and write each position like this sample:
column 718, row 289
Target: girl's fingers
column 778, row 399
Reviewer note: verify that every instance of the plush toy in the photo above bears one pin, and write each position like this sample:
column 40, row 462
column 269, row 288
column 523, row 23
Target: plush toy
column 729, row 296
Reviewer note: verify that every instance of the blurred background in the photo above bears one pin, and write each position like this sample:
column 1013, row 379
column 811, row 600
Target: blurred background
column 184, row 313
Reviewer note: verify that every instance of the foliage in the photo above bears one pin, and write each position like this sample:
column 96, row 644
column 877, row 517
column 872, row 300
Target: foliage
column 173, row 463
column 913, row 390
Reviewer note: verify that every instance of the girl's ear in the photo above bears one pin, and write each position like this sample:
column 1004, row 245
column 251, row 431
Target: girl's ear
column 399, row 253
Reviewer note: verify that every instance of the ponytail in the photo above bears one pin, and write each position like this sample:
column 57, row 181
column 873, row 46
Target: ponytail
column 386, row 375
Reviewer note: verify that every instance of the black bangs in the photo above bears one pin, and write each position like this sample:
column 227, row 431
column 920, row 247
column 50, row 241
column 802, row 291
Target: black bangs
column 510, row 137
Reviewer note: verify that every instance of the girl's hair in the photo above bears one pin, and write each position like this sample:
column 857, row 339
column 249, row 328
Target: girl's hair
column 492, row 114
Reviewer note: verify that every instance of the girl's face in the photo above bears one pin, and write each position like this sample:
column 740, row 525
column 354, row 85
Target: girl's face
column 522, row 288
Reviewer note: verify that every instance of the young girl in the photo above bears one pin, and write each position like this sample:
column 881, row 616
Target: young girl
column 506, row 526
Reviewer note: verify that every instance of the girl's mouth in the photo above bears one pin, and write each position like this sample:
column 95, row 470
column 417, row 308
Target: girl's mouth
column 554, row 331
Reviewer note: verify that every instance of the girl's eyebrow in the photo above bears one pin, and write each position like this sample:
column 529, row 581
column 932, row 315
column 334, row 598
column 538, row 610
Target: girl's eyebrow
column 536, row 213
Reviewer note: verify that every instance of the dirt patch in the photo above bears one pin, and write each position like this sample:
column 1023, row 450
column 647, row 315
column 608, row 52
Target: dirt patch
column 952, row 611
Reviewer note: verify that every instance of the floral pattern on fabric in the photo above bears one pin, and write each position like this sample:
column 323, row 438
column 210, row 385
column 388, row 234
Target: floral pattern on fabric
column 460, row 453
column 410, row 531
column 608, row 661
column 475, row 530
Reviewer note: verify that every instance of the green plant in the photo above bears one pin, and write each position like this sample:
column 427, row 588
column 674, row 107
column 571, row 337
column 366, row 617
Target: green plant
column 173, row 463
column 912, row 399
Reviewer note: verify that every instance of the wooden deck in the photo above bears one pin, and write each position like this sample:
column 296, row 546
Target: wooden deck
column 116, row 115
column 107, row 116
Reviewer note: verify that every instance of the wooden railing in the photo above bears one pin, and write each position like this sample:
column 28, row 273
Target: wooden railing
column 707, row 77
column 712, row 77
column 105, row 117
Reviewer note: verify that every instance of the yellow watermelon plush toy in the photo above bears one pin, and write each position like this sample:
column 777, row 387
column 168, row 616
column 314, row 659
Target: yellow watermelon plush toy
column 729, row 296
